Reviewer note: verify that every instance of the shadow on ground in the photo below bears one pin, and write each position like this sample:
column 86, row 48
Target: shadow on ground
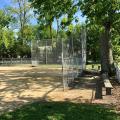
column 20, row 85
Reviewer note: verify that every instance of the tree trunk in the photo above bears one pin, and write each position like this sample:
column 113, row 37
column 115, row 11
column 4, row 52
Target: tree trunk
column 51, row 35
column 22, row 18
column 106, row 51
column 98, row 93
column 57, row 28
column 51, row 31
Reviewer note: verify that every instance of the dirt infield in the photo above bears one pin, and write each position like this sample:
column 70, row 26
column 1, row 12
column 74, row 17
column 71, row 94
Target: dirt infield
column 23, row 84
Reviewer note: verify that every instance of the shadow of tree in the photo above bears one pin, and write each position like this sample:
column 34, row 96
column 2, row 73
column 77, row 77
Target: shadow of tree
column 19, row 87
column 14, row 83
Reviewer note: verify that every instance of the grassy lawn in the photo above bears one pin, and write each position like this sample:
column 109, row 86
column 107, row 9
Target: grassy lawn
column 61, row 111
column 50, row 66
column 89, row 66
column 119, row 64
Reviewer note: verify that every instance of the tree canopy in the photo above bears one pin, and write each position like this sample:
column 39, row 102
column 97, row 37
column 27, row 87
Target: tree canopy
column 107, row 15
column 102, row 26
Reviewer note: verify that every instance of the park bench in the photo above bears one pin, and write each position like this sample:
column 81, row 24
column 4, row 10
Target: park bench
column 107, row 84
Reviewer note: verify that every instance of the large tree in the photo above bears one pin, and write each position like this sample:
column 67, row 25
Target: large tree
column 93, row 31
column 4, row 24
column 22, row 14
column 105, row 13
column 6, row 35
column 49, row 10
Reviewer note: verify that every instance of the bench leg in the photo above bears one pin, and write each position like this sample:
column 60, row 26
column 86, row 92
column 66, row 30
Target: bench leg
column 108, row 91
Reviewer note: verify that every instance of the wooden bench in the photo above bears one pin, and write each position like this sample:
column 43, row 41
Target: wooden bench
column 107, row 84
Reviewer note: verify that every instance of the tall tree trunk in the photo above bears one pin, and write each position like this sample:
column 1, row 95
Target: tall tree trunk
column 22, row 17
column 51, row 36
column 57, row 28
column 51, row 30
column 106, row 51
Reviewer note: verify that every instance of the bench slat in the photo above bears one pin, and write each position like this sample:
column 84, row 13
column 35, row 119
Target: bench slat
column 107, row 84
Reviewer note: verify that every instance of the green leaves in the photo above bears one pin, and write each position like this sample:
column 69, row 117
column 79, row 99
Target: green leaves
column 48, row 10
column 5, row 34
column 105, row 14
column 101, row 11
column 4, row 19
column 7, row 38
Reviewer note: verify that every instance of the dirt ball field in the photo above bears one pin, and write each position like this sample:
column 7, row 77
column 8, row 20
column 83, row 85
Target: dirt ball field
column 22, row 84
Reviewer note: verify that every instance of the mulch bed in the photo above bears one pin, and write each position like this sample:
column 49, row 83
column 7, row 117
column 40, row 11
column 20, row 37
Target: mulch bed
column 116, row 95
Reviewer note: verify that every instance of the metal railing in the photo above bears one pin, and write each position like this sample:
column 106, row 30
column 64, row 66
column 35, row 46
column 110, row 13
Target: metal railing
column 10, row 61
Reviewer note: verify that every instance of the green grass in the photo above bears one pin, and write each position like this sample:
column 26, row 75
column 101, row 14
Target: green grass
column 50, row 66
column 89, row 66
column 61, row 111
column 119, row 64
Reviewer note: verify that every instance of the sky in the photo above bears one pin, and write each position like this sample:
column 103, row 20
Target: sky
column 5, row 3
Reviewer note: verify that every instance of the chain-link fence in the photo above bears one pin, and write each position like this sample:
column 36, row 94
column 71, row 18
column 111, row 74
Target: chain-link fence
column 70, row 53
column 46, row 51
